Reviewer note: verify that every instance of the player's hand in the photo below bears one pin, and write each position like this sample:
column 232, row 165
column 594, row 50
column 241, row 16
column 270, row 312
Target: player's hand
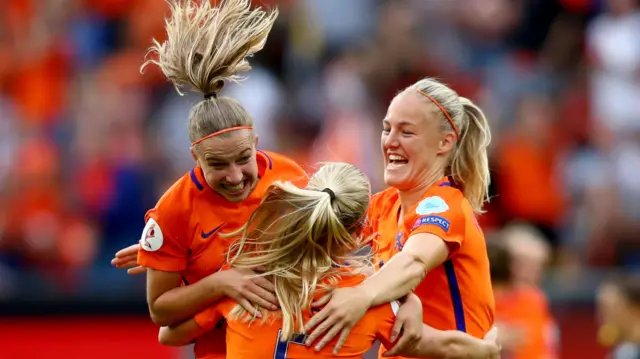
column 344, row 308
column 408, row 326
column 247, row 289
column 492, row 348
column 128, row 258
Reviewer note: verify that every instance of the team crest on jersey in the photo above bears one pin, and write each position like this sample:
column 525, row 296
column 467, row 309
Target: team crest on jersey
column 152, row 238
column 431, row 205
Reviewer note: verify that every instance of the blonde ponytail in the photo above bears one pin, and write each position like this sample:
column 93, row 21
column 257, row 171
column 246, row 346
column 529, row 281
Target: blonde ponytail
column 302, row 236
column 206, row 47
column 469, row 163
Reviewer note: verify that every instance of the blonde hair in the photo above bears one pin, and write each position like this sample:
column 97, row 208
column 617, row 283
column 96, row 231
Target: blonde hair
column 469, row 163
column 523, row 238
column 301, row 237
column 207, row 46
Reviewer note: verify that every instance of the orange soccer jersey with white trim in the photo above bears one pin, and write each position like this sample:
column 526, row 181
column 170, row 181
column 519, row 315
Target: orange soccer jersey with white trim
column 182, row 231
column 458, row 293
column 261, row 340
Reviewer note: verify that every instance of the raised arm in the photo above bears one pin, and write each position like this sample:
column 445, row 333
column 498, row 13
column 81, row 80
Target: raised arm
column 398, row 277
column 404, row 271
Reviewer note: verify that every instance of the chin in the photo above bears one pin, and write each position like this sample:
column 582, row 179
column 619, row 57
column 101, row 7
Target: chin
column 394, row 181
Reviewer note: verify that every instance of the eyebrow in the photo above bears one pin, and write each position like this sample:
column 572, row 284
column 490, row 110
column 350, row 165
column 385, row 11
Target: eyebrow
column 401, row 124
column 221, row 159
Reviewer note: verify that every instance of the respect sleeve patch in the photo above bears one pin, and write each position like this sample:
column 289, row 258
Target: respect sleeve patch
column 433, row 220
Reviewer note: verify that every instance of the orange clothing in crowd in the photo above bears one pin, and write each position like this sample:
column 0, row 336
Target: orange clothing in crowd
column 526, row 310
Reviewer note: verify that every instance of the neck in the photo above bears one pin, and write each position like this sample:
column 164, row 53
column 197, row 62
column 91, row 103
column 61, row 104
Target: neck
column 411, row 196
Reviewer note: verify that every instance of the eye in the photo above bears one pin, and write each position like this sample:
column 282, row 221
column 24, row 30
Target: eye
column 386, row 131
column 244, row 159
column 218, row 165
column 407, row 133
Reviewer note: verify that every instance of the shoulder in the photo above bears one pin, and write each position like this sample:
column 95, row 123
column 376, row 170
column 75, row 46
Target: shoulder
column 442, row 210
column 280, row 167
column 445, row 202
column 382, row 200
column 175, row 204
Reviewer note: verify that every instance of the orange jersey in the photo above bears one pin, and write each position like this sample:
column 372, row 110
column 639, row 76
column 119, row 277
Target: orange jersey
column 182, row 231
column 261, row 340
column 526, row 311
column 458, row 293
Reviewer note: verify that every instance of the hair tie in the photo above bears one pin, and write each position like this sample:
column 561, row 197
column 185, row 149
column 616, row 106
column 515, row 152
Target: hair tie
column 210, row 95
column 332, row 194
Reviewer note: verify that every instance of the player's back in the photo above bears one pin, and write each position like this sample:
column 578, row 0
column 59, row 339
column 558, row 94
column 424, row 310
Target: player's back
column 261, row 339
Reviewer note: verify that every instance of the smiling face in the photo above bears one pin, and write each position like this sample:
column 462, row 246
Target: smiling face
column 229, row 164
column 413, row 143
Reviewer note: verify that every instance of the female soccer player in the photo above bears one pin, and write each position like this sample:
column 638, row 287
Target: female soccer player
column 181, row 242
column 304, row 240
column 434, row 144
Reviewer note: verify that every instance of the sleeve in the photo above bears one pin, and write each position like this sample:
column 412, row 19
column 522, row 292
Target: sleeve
column 164, row 244
column 292, row 172
column 386, row 318
column 445, row 219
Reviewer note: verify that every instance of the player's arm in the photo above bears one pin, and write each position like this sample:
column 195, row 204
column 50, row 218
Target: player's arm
column 404, row 271
column 429, row 245
column 181, row 334
column 452, row 344
column 165, row 251
column 170, row 303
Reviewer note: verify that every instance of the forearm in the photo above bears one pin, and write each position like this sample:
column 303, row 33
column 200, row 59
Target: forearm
column 181, row 303
column 397, row 278
column 449, row 344
column 180, row 334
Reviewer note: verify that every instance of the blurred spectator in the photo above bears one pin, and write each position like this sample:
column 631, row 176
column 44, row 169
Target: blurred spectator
column 88, row 144
column 619, row 313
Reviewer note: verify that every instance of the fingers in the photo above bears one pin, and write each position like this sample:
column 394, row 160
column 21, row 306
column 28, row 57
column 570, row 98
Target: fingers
column 397, row 347
column 313, row 322
column 321, row 302
column 264, row 283
column 262, row 298
column 395, row 331
column 137, row 270
column 343, row 338
column 128, row 252
column 249, row 308
column 329, row 336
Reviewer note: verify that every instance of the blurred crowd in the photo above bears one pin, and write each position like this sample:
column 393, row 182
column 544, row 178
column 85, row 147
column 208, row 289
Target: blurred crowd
column 88, row 144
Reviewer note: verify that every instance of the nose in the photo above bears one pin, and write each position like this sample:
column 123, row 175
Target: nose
column 235, row 175
column 391, row 140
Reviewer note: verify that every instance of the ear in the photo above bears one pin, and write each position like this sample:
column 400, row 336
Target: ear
column 193, row 154
column 447, row 143
column 257, row 138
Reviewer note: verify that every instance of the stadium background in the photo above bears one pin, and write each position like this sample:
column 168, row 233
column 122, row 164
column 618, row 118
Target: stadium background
column 87, row 144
